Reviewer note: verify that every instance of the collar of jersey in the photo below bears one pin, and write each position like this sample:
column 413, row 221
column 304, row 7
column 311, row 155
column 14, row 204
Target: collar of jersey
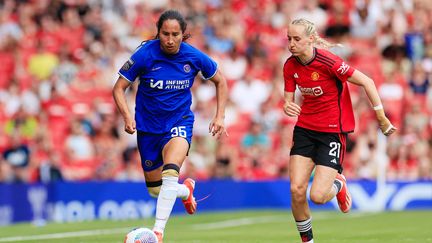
column 310, row 61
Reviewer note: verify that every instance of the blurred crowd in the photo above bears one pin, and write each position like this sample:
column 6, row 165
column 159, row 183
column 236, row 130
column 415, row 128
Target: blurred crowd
column 59, row 60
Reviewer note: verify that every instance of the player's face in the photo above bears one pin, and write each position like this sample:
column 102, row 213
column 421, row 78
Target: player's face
column 298, row 42
column 171, row 36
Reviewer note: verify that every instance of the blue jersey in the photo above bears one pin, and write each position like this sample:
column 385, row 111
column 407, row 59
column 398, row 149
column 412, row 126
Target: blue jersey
column 164, row 96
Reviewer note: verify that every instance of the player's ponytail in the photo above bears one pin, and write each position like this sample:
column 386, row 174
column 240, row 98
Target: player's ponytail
column 311, row 31
column 172, row 14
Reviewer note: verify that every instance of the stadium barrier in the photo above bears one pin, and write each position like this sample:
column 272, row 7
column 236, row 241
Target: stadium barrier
column 71, row 202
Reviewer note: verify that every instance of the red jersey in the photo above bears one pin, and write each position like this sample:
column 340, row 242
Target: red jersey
column 327, row 103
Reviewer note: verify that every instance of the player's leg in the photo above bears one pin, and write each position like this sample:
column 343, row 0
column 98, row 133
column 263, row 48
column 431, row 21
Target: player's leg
column 153, row 181
column 327, row 184
column 149, row 147
column 322, row 189
column 185, row 190
column 154, row 184
column 328, row 180
column 300, row 169
column 173, row 153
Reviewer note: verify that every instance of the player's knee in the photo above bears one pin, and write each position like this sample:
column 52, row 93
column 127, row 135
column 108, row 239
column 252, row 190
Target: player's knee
column 318, row 197
column 298, row 192
column 154, row 187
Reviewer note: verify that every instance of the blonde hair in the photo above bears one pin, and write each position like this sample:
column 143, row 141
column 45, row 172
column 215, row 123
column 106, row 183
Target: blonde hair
column 311, row 31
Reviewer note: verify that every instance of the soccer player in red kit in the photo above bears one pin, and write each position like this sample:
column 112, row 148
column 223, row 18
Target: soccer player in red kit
column 324, row 119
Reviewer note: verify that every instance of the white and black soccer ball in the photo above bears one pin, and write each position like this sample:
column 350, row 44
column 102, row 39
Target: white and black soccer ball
column 141, row 235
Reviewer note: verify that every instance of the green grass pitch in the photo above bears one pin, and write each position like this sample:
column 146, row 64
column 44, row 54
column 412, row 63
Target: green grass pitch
column 244, row 227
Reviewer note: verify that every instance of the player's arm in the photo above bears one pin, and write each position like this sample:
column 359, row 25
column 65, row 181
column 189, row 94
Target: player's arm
column 290, row 107
column 118, row 92
column 368, row 85
column 217, row 125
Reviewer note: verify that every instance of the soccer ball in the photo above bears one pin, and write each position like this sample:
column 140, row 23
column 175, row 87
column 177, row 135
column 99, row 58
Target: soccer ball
column 141, row 235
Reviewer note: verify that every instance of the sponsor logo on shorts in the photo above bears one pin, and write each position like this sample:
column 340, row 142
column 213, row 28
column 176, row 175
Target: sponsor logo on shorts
column 148, row 163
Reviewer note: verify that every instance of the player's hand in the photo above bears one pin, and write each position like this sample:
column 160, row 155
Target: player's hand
column 217, row 127
column 384, row 123
column 386, row 127
column 130, row 125
column 292, row 109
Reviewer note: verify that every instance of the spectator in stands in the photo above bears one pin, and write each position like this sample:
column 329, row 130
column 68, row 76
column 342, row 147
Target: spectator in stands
column 312, row 11
column 324, row 119
column 78, row 143
column 248, row 87
column 255, row 147
column 49, row 170
column 395, row 58
column 365, row 20
column 256, row 138
column 419, row 82
column 166, row 68
column 80, row 154
column 17, row 158
column 226, row 160
column 22, row 123
column 42, row 63
column 200, row 159
column 234, row 65
column 393, row 93
column 131, row 170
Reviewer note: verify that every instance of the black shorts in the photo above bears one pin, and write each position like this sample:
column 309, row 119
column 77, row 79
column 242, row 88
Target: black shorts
column 323, row 148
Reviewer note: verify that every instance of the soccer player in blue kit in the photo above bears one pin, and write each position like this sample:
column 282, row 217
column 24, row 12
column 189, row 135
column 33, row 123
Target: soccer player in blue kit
column 166, row 68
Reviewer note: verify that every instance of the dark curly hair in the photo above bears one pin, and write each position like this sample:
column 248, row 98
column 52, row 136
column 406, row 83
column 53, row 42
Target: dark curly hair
column 172, row 14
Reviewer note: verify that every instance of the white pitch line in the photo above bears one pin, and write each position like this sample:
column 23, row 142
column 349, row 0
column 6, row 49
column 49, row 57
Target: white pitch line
column 205, row 226
column 66, row 235
column 201, row 226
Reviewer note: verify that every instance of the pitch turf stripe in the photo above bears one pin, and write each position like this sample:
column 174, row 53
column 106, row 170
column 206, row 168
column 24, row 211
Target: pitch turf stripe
column 204, row 226
column 66, row 235
column 239, row 222
column 266, row 219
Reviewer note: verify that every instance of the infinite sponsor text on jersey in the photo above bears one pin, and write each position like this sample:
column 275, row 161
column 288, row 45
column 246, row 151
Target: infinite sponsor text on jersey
column 177, row 84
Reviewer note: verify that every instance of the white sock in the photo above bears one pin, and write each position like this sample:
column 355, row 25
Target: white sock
column 183, row 192
column 165, row 202
column 337, row 185
column 169, row 191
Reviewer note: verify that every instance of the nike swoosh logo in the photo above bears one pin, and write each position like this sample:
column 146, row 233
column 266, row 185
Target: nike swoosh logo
column 156, row 68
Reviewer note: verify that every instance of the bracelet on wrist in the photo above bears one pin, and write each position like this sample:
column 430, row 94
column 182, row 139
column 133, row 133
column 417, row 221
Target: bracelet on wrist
column 378, row 107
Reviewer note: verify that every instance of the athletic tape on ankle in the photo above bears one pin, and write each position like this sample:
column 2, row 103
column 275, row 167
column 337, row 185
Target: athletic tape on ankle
column 170, row 170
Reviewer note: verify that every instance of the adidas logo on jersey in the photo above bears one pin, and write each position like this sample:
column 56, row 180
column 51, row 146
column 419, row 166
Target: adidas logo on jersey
column 333, row 161
column 296, row 75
